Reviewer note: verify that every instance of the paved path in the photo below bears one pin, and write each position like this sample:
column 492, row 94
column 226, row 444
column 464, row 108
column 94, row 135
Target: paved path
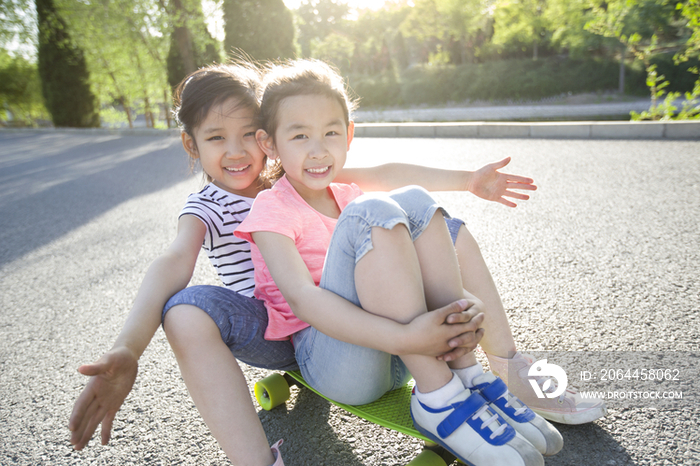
column 554, row 110
column 603, row 257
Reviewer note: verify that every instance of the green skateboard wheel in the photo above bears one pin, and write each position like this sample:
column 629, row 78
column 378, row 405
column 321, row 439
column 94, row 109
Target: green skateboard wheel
column 271, row 391
column 427, row 458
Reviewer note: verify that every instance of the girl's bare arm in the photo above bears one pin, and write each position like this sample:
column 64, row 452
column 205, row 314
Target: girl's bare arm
column 486, row 182
column 342, row 320
column 113, row 374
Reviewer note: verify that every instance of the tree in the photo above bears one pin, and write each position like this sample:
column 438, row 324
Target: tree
column 191, row 46
column 453, row 29
column 317, row 19
column 65, row 80
column 643, row 27
column 18, row 26
column 566, row 20
column 336, row 49
column 124, row 42
column 521, row 23
column 21, row 102
column 262, row 29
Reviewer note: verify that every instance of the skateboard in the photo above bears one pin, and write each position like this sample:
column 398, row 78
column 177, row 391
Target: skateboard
column 391, row 411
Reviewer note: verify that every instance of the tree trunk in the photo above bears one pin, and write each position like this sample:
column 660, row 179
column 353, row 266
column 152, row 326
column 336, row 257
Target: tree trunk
column 621, row 83
column 166, row 106
column 122, row 99
column 534, row 51
column 183, row 36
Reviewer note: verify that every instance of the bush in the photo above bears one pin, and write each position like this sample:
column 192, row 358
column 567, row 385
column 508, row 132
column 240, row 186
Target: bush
column 517, row 79
column 376, row 91
column 21, row 103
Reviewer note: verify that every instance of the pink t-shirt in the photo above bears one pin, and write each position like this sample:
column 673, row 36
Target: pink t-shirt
column 282, row 210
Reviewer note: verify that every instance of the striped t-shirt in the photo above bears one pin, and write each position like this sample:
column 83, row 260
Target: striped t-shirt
column 221, row 213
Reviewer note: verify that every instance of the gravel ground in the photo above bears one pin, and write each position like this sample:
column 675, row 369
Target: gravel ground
column 603, row 257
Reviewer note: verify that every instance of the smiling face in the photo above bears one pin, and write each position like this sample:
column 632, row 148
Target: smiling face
column 311, row 142
column 227, row 149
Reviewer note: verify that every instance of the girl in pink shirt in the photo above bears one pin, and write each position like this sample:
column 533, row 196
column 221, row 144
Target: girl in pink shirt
column 211, row 328
column 322, row 250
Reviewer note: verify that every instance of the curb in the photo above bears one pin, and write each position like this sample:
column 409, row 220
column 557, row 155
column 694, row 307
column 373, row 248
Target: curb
column 98, row 131
column 541, row 130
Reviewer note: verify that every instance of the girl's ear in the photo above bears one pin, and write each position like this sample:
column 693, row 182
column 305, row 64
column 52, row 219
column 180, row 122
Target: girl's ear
column 266, row 143
column 351, row 132
column 189, row 145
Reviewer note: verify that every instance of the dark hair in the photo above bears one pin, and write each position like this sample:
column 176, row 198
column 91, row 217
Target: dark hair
column 213, row 85
column 300, row 77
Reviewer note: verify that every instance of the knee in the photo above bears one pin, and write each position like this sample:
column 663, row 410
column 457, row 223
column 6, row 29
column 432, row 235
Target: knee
column 372, row 206
column 412, row 198
column 185, row 324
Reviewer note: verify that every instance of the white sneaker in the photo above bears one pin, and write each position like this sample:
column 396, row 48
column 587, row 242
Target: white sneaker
column 474, row 433
column 540, row 433
column 568, row 408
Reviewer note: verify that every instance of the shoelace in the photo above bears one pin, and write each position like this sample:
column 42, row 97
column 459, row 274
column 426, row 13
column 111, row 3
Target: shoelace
column 512, row 400
column 489, row 421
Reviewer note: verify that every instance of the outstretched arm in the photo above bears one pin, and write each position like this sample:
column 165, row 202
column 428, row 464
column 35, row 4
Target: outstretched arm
column 487, row 182
column 113, row 375
column 490, row 184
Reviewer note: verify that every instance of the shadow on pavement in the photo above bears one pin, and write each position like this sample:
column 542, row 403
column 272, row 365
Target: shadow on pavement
column 308, row 436
column 73, row 179
column 590, row 442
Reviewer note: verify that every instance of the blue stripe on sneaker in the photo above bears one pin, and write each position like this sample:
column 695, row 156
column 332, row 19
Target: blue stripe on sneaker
column 493, row 392
column 462, row 413
column 459, row 415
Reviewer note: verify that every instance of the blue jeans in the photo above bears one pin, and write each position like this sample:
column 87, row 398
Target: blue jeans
column 342, row 371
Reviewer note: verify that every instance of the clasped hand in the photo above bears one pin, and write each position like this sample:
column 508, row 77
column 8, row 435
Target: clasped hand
column 448, row 332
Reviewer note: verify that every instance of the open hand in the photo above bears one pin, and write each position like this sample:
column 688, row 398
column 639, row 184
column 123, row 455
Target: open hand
column 488, row 183
column 112, row 377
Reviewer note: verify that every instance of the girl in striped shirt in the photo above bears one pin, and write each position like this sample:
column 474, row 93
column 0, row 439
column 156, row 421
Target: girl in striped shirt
column 210, row 328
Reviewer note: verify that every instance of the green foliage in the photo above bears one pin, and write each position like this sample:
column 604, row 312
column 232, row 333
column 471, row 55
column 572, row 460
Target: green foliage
column 449, row 31
column 190, row 46
column 657, row 84
column 317, row 19
column 519, row 79
column 567, row 21
column 65, row 80
column 646, row 27
column 521, row 24
column 21, row 103
column 262, row 29
column 126, row 45
column 335, row 49
column 381, row 90
column 18, row 26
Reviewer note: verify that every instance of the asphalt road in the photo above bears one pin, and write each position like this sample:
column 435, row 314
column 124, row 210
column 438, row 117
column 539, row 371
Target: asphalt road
column 605, row 256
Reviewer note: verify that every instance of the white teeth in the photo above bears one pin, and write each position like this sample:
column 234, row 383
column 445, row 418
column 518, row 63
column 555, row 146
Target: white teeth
column 317, row 170
column 232, row 169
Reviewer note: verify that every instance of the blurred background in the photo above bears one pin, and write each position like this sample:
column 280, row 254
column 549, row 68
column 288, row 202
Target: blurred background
column 115, row 63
